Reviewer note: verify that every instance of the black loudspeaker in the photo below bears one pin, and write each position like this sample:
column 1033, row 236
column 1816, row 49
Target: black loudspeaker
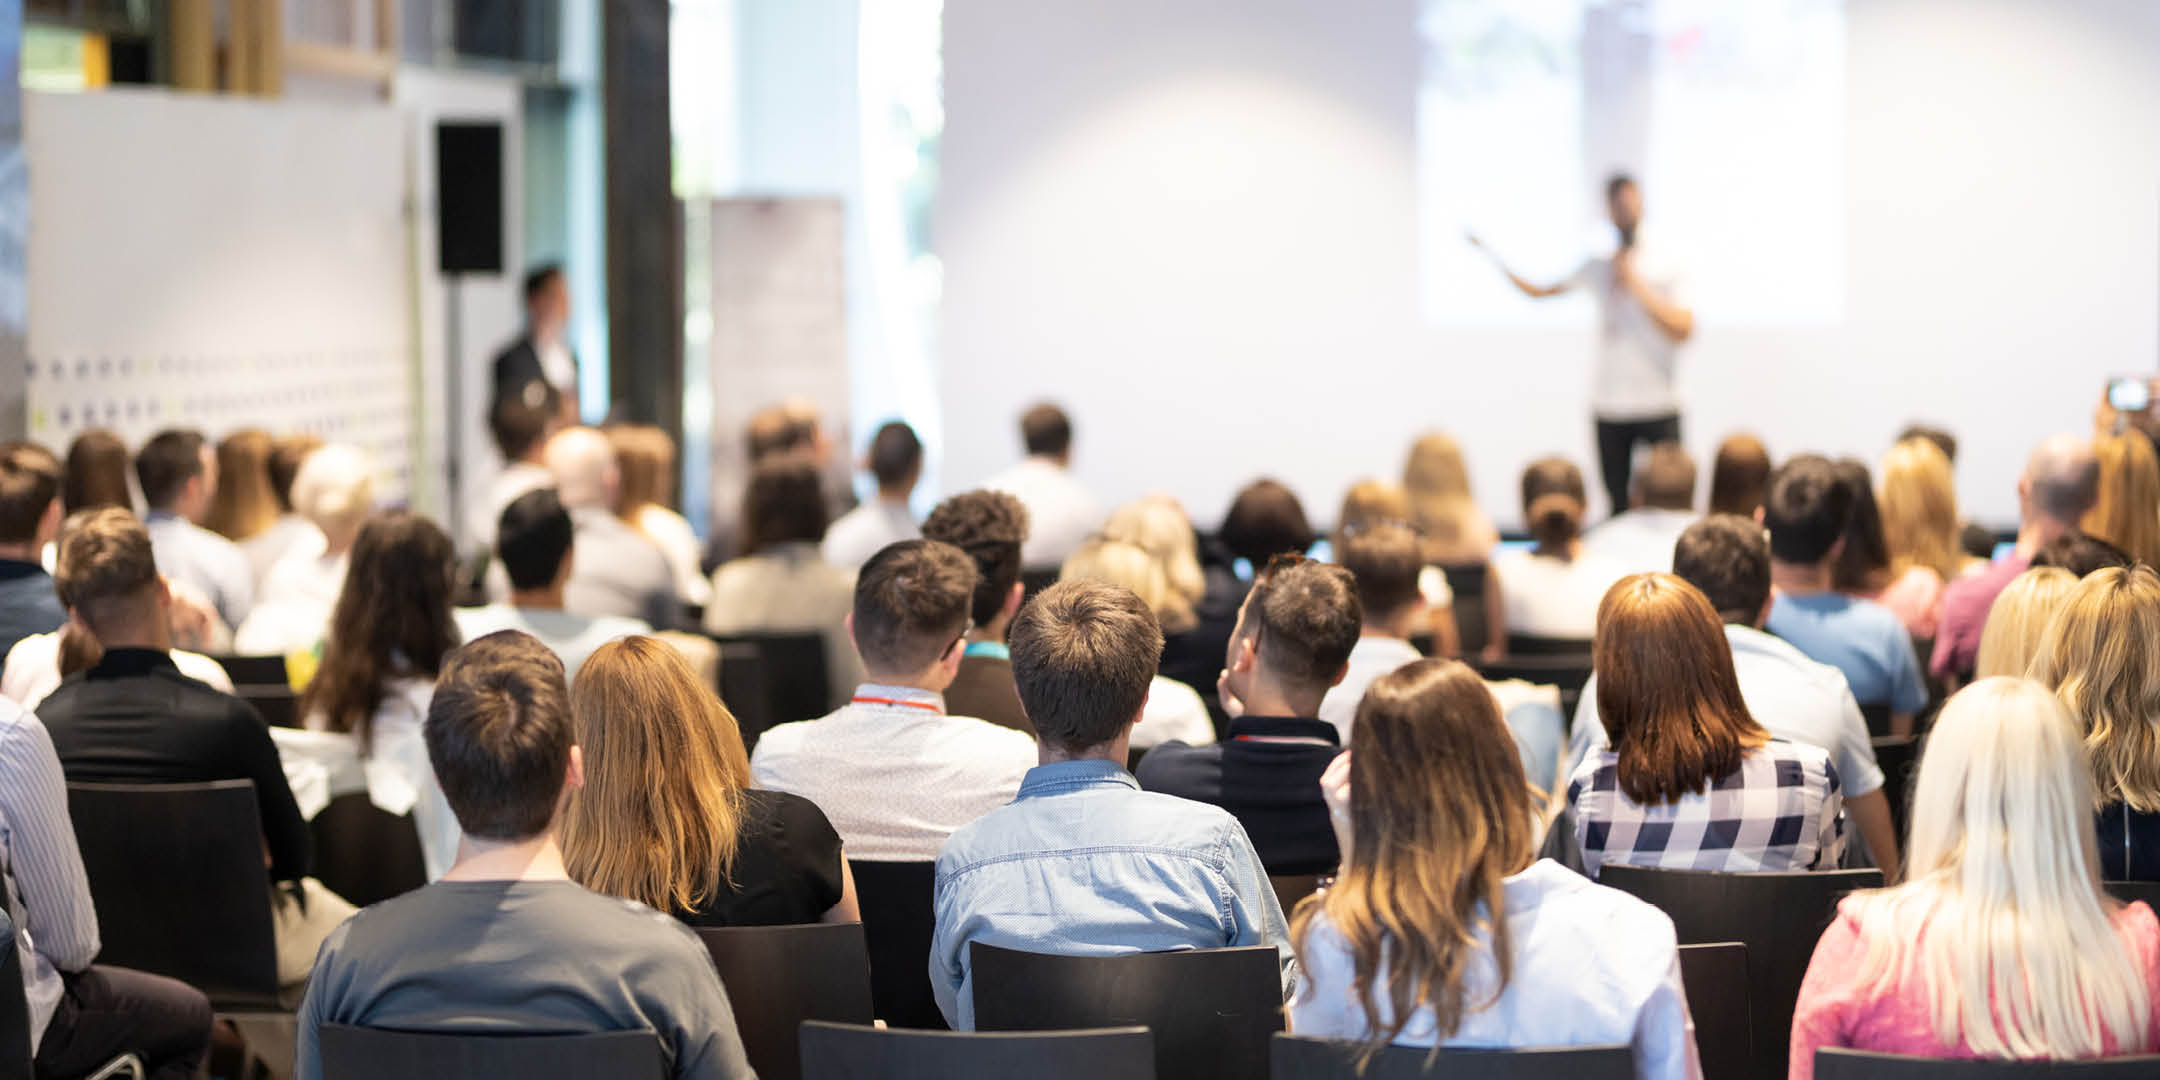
column 468, row 198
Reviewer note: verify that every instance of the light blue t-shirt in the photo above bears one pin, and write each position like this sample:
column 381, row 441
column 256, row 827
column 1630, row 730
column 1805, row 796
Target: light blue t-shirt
column 1859, row 637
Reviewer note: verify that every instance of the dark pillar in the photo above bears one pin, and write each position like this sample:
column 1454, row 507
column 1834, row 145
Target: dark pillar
column 644, row 224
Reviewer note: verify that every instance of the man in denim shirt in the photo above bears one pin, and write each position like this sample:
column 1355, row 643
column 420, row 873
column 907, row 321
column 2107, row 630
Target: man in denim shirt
column 1083, row 862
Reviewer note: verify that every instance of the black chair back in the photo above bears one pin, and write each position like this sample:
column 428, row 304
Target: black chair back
column 898, row 923
column 1035, row 581
column 2128, row 891
column 14, row 1006
column 176, row 874
column 1777, row 916
column 849, row 1052
column 1468, row 582
column 277, row 705
column 1899, row 757
column 1291, row 888
column 356, row 1053
column 1212, row 1010
column 248, row 671
column 365, row 853
column 1716, row 979
column 780, row 976
column 1877, row 717
column 797, row 682
column 1299, row 1058
column 742, row 687
column 1521, row 645
column 1862, row 1065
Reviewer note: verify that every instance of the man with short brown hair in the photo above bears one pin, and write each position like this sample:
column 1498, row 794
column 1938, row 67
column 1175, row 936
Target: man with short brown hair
column 1662, row 506
column 29, row 519
column 1083, row 862
column 990, row 526
column 1293, row 642
column 1061, row 513
column 895, row 773
column 1386, row 561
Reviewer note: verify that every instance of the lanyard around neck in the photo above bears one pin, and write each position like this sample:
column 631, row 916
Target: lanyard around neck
column 896, row 703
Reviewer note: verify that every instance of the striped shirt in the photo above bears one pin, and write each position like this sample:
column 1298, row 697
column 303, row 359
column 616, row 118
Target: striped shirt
column 48, row 895
column 1777, row 811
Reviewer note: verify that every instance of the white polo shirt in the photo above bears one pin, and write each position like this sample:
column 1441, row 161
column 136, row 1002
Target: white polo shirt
column 1636, row 360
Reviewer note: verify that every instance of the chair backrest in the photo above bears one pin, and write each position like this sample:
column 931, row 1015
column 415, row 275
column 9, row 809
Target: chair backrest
column 797, row 682
column 1212, row 1010
column 357, row 1053
column 365, row 853
column 2127, row 891
column 1716, row 979
column 898, row 923
column 14, row 1006
column 850, row 1052
column 780, row 976
column 1877, row 717
column 1861, row 1065
column 1291, row 888
column 1522, row 645
column 176, row 873
column 1899, row 757
column 1468, row 582
column 246, row 671
column 1297, row 1057
column 742, row 687
column 1035, row 581
column 1777, row 916
column 277, row 705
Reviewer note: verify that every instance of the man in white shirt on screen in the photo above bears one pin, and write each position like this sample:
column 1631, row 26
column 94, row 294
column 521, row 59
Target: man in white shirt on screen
column 1643, row 319
column 1061, row 513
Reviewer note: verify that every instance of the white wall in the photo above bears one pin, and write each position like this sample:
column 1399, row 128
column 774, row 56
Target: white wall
column 1194, row 222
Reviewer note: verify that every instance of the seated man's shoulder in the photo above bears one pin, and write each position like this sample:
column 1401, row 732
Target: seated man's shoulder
column 1170, row 767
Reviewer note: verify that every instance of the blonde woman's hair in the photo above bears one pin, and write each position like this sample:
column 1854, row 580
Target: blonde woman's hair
column 660, row 816
column 1369, row 504
column 335, row 488
column 1157, row 525
column 2127, row 513
column 244, row 504
column 2019, row 618
column 1121, row 562
column 2001, row 916
column 1442, row 509
column 1920, row 511
column 2100, row 660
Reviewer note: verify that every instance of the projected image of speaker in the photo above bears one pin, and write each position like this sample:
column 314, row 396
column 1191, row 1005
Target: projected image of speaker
column 468, row 198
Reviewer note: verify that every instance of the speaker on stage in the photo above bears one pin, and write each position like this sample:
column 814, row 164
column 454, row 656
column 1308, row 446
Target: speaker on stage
column 468, row 198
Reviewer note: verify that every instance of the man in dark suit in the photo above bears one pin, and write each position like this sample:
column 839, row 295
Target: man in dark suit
column 542, row 353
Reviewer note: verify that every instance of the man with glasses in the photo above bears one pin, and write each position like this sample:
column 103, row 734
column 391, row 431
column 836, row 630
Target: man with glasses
column 894, row 773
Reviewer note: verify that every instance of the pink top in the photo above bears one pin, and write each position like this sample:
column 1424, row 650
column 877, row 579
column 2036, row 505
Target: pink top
column 1965, row 605
column 1836, row 1009
column 1916, row 598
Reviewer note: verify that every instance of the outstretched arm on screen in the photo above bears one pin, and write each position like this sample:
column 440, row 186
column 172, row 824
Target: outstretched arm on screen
column 1530, row 289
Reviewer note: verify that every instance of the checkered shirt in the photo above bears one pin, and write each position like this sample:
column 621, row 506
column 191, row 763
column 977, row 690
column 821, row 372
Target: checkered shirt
column 1777, row 811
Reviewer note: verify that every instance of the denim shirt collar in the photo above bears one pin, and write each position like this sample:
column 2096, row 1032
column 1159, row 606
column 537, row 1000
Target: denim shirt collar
column 1059, row 777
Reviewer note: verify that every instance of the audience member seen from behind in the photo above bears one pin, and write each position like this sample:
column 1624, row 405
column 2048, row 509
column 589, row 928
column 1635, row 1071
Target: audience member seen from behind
column 990, row 526
column 894, row 772
column 1265, row 520
column 1977, row 541
column 178, row 475
column 1373, row 504
column 132, row 717
column 506, row 942
column 96, row 473
column 1083, row 862
column 29, row 520
column 1174, row 711
column 521, row 425
column 335, row 492
column 1207, row 586
column 2060, row 484
column 2126, row 512
column 2098, row 656
column 622, row 573
column 1739, row 476
column 1690, row 780
column 1459, row 539
column 1385, row 562
column 894, row 461
column 1863, row 562
column 1293, row 642
column 290, row 531
column 2081, row 555
column 781, row 584
column 537, row 546
column 1443, row 928
column 1791, row 696
column 2017, row 626
column 668, row 816
column 1552, row 590
column 363, row 710
column 646, row 457
column 2000, row 944
column 1809, row 515
column 74, row 1016
column 1061, row 513
column 242, row 508
column 1920, row 529
column 1661, row 506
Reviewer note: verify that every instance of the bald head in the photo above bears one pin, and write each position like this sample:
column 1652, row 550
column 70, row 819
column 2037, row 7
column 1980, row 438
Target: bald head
column 2062, row 479
column 583, row 463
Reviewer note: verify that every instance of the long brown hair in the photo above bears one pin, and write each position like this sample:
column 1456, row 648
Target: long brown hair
column 1440, row 815
column 660, row 815
column 96, row 473
column 1920, row 511
column 645, row 457
column 244, row 503
column 392, row 620
column 2127, row 512
column 1666, row 690
column 1553, row 503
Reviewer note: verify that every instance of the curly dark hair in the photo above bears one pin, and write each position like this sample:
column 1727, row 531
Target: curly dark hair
column 990, row 526
column 392, row 620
